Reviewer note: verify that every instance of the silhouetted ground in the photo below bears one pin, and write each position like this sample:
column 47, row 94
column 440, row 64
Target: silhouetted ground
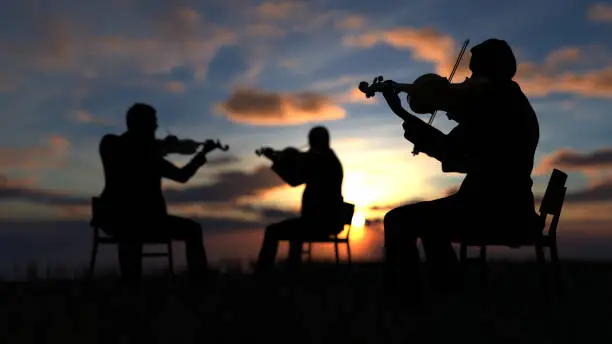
column 332, row 305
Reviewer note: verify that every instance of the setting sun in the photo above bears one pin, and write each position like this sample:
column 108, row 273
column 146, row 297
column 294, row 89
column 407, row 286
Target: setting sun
column 359, row 219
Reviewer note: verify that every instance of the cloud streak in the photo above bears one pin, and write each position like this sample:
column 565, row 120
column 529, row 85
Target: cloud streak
column 256, row 107
column 569, row 159
column 32, row 158
column 537, row 80
column 228, row 186
column 600, row 12
column 426, row 44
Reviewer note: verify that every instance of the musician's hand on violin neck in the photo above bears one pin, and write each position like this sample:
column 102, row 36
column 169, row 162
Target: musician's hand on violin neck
column 392, row 97
column 265, row 151
column 208, row 146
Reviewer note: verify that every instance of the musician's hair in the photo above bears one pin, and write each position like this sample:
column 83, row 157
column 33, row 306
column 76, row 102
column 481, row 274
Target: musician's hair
column 318, row 137
column 493, row 59
column 139, row 114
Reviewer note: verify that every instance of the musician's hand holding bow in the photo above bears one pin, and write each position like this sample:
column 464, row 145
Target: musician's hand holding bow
column 207, row 147
column 200, row 157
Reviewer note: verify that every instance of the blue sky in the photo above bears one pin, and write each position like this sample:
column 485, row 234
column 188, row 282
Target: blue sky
column 69, row 70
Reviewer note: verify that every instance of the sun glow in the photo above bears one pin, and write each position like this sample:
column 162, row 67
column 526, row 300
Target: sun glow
column 361, row 194
column 359, row 219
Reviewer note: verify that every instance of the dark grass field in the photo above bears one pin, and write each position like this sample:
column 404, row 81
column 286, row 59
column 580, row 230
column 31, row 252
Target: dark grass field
column 329, row 304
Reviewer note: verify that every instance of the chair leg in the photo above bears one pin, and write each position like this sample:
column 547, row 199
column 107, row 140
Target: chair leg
column 554, row 257
column 540, row 258
column 541, row 261
column 337, row 252
column 92, row 261
column 463, row 254
column 309, row 252
column 170, row 258
column 348, row 252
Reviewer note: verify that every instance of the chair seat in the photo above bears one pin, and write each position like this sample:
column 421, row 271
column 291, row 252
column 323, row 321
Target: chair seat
column 115, row 240
column 502, row 240
column 330, row 238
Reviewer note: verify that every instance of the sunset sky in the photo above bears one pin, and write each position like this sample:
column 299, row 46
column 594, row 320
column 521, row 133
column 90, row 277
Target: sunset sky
column 254, row 73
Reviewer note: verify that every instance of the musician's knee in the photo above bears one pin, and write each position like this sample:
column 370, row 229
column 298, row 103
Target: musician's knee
column 395, row 218
column 272, row 231
column 189, row 229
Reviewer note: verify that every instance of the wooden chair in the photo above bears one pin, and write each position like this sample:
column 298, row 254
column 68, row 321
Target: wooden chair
column 348, row 210
column 99, row 238
column 551, row 205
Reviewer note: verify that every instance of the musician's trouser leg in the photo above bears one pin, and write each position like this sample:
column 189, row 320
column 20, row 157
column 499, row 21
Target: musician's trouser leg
column 432, row 222
column 190, row 232
column 130, row 259
column 286, row 230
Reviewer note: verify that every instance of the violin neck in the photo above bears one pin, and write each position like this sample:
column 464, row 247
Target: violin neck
column 404, row 88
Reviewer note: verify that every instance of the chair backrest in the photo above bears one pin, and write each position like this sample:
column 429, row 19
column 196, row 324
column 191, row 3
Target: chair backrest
column 552, row 202
column 553, row 199
column 348, row 210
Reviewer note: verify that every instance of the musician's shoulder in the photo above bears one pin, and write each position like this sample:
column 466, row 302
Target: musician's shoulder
column 474, row 87
column 109, row 141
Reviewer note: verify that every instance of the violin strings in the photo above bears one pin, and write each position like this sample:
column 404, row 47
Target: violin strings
column 450, row 77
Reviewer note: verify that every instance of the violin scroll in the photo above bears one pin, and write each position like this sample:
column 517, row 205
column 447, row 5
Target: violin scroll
column 262, row 151
column 217, row 145
column 379, row 85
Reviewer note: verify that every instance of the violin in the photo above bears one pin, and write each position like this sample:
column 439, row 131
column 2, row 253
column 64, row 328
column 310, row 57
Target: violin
column 172, row 144
column 287, row 152
column 421, row 94
column 287, row 163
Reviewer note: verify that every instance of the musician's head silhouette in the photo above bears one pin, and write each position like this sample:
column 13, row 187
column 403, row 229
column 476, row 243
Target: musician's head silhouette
column 493, row 59
column 141, row 119
column 318, row 138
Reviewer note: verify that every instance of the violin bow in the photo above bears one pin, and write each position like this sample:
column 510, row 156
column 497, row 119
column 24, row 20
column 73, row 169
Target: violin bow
column 450, row 77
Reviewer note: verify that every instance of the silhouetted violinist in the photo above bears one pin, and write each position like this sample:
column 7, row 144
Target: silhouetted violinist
column 494, row 144
column 135, row 208
column 320, row 169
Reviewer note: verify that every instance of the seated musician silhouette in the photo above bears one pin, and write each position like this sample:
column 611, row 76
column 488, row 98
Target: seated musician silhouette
column 494, row 145
column 321, row 170
column 134, row 206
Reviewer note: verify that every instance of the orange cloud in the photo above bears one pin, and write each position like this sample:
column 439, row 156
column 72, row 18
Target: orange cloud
column 568, row 159
column 280, row 9
column 555, row 76
column 426, row 44
column 252, row 106
column 180, row 39
column 175, row 87
column 46, row 155
column 280, row 16
column 84, row 116
column 536, row 80
column 16, row 182
column 600, row 12
column 350, row 22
